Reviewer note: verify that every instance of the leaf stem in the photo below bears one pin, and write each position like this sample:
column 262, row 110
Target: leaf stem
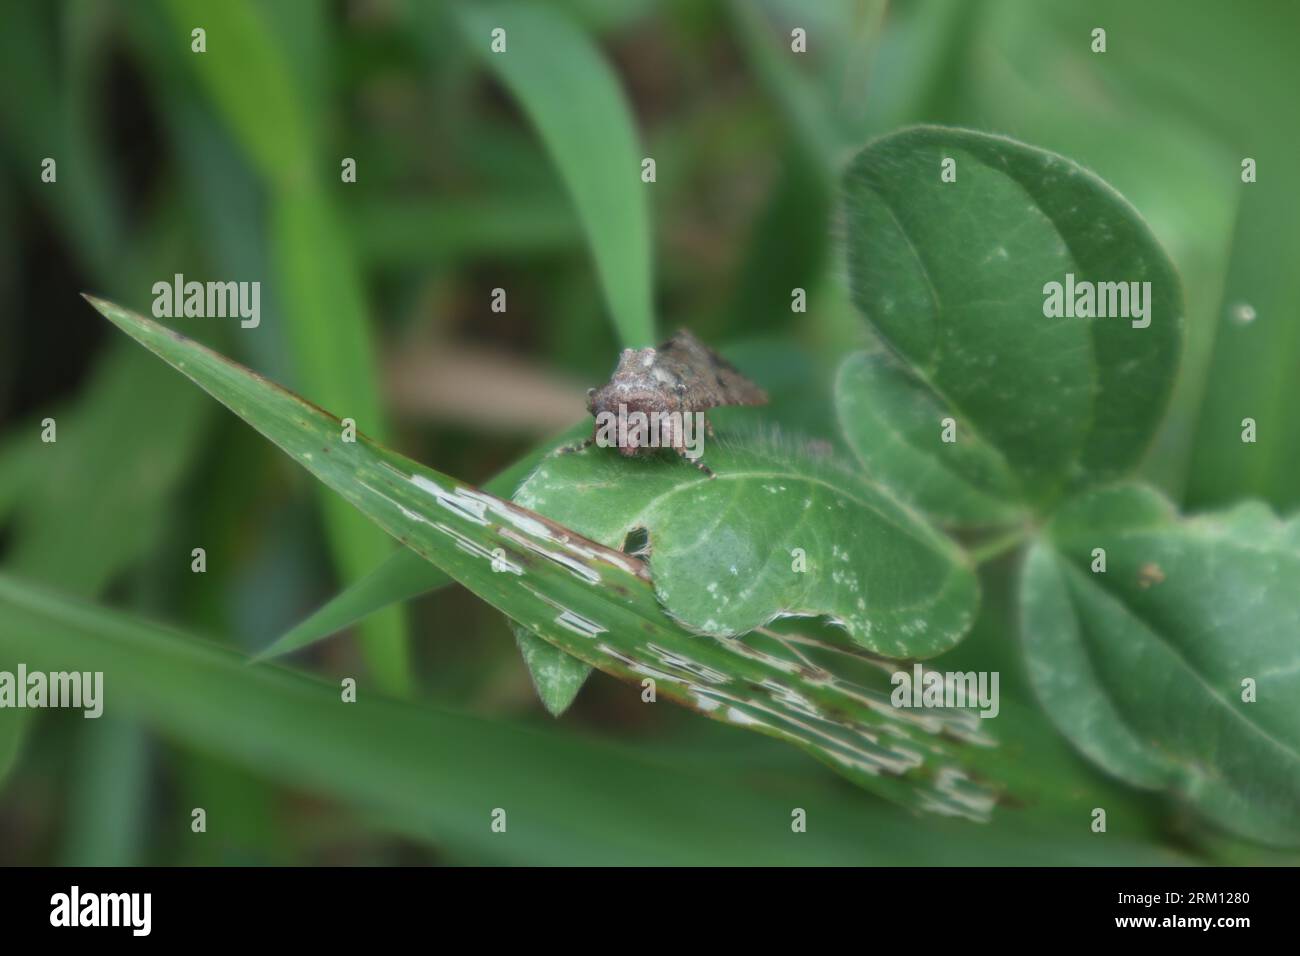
column 995, row 547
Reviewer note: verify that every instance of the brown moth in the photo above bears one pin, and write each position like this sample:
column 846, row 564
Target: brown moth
column 666, row 387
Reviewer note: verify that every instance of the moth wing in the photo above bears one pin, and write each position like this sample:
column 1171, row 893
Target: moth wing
column 709, row 379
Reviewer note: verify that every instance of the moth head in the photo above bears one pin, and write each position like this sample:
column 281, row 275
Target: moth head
column 624, row 415
column 630, row 395
column 643, row 408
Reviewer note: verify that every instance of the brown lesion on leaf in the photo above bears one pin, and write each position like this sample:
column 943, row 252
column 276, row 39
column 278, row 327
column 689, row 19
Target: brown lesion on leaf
column 1150, row 574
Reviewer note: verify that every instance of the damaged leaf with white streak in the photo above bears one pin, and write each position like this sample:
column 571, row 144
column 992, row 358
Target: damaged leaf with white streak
column 779, row 532
column 598, row 604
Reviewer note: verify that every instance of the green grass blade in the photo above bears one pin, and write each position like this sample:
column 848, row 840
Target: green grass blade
column 329, row 332
column 436, row 776
column 247, row 75
column 18, row 461
column 401, row 576
column 574, row 100
column 60, row 529
column 415, row 233
column 62, row 532
column 251, row 80
column 13, row 727
column 599, row 605
column 111, row 782
column 39, row 119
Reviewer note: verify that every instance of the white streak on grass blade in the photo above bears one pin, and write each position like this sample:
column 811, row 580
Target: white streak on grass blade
column 704, row 701
column 517, row 517
column 475, row 505
column 572, row 565
column 568, row 619
column 470, row 546
column 579, row 624
column 618, row 655
column 737, row 716
column 702, row 671
column 647, row 671
column 458, row 501
column 630, row 565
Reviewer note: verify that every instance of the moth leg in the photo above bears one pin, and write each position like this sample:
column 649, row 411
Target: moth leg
column 698, row 462
column 579, row 446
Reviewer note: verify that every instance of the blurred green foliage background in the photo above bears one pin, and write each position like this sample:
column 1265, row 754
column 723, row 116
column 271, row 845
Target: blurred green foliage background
column 375, row 303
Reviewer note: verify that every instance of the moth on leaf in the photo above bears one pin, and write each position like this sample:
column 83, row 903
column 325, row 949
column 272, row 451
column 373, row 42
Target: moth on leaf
column 657, row 398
